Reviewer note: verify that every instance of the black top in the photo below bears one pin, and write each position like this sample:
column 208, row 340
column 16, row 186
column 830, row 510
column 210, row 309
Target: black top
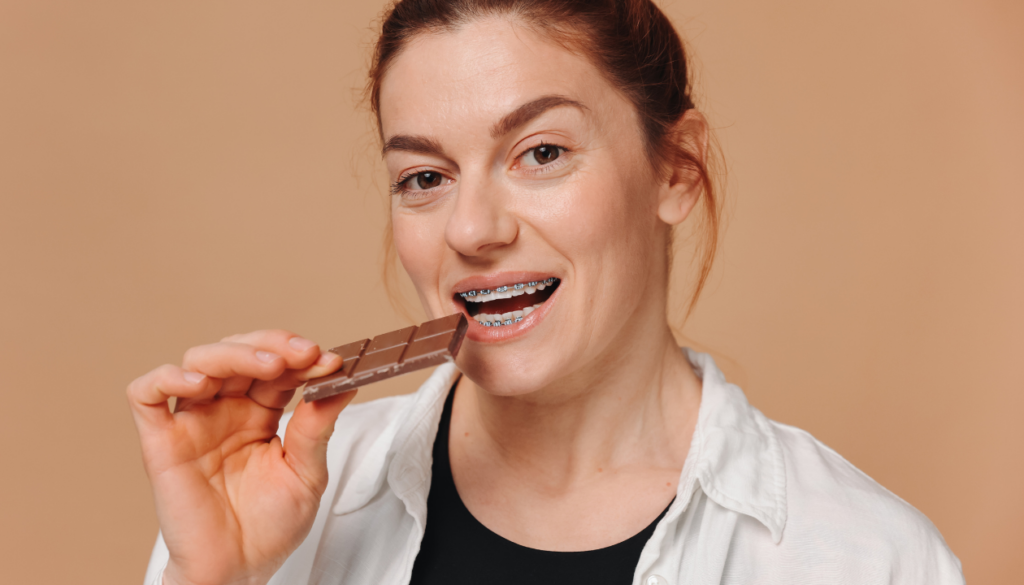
column 458, row 550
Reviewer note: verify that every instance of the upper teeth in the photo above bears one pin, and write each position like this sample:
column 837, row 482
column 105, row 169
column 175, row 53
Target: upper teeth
column 506, row 291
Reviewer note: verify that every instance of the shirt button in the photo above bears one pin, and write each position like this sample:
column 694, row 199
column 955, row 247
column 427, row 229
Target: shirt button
column 656, row 580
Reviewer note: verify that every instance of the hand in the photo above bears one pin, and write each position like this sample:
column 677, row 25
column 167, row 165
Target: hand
column 232, row 501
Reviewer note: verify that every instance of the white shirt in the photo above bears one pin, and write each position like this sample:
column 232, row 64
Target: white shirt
column 758, row 502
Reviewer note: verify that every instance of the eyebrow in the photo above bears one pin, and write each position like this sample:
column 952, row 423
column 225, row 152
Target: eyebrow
column 417, row 144
column 530, row 110
column 514, row 119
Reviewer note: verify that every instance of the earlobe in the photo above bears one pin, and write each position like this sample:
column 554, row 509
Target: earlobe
column 678, row 201
column 684, row 183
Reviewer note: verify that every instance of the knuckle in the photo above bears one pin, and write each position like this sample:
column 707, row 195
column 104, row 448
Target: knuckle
column 137, row 387
column 197, row 354
column 165, row 375
column 278, row 336
column 190, row 355
column 261, row 337
column 166, row 370
column 132, row 389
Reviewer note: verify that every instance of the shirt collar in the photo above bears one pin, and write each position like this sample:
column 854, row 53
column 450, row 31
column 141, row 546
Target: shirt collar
column 735, row 453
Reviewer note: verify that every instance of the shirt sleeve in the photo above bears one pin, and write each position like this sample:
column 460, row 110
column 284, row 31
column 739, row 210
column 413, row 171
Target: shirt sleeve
column 928, row 560
column 157, row 562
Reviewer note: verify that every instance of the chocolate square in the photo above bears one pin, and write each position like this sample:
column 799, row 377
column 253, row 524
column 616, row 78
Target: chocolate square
column 438, row 326
column 350, row 350
column 381, row 360
column 388, row 340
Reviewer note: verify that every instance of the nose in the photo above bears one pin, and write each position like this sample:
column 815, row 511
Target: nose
column 481, row 222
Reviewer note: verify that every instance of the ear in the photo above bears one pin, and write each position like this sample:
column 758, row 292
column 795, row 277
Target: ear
column 681, row 189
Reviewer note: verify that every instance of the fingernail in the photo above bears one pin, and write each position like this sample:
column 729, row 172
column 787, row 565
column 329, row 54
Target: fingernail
column 300, row 344
column 266, row 356
column 326, row 358
column 192, row 377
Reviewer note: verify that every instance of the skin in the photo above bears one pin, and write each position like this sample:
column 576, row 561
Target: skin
column 590, row 407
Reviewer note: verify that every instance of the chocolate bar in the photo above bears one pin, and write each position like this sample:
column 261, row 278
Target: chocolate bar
column 391, row 354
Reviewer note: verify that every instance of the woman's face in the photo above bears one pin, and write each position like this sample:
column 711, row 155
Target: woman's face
column 514, row 163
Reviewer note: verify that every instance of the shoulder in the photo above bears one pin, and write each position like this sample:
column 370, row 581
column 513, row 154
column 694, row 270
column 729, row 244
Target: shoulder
column 820, row 480
column 836, row 510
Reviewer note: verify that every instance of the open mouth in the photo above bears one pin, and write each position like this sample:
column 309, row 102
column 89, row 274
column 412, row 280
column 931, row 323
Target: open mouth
column 507, row 304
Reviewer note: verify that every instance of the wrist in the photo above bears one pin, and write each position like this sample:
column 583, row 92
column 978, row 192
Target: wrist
column 172, row 575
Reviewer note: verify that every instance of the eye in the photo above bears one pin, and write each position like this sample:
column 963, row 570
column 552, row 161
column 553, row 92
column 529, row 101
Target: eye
column 422, row 181
column 541, row 155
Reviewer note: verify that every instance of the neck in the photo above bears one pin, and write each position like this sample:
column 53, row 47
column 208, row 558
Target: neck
column 637, row 407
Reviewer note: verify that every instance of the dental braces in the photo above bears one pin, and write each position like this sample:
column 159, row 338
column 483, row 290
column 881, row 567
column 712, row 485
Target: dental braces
column 501, row 323
column 501, row 289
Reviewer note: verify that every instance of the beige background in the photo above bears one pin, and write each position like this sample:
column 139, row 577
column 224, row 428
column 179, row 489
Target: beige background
column 173, row 172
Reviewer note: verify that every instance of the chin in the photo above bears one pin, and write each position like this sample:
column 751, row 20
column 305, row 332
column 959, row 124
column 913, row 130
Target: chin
column 507, row 373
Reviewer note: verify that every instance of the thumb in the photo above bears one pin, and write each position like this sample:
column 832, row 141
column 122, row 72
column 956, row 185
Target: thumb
column 306, row 437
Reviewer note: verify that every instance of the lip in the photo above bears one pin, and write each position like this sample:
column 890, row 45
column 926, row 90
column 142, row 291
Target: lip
column 478, row 332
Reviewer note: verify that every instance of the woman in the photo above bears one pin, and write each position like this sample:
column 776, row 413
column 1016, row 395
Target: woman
column 526, row 141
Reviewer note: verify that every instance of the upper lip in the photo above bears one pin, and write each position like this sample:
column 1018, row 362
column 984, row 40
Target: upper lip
column 492, row 281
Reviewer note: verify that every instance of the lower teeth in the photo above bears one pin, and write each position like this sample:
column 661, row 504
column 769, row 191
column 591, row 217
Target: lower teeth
column 509, row 319
column 501, row 323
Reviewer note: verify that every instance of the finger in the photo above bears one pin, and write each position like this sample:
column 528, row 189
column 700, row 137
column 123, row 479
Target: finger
column 307, row 435
column 148, row 394
column 278, row 392
column 275, row 393
column 327, row 363
column 298, row 352
column 236, row 386
column 229, row 359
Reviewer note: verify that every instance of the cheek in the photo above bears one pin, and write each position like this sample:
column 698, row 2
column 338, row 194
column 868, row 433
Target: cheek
column 420, row 247
column 597, row 219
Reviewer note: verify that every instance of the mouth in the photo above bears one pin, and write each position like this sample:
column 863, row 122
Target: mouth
column 508, row 304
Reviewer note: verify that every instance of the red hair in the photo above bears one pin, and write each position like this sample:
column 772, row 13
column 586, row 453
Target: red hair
column 630, row 41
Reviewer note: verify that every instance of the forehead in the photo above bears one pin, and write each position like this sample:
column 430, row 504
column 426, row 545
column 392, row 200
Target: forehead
column 479, row 72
